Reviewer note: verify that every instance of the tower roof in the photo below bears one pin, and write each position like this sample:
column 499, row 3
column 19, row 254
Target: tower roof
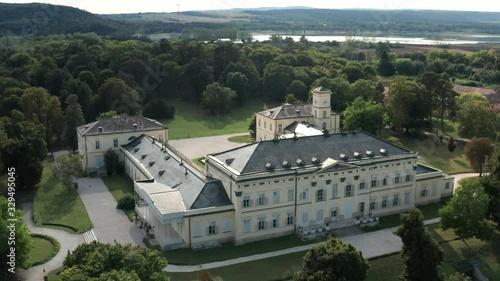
column 321, row 89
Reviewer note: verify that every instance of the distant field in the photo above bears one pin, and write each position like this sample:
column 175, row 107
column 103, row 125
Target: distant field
column 191, row 121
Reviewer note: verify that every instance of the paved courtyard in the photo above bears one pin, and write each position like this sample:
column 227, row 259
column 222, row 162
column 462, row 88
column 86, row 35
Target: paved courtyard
column 199, row 147
column 110, row 224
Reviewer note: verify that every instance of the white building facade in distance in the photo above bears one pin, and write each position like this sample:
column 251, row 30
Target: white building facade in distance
column 273, row 123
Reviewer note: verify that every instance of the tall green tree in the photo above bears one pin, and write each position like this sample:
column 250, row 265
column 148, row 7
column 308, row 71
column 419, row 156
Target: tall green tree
column 73, row 118
column 217, row 99
column 22, row 243
column 406, row 104
column 366, row 89
column 238, row 82
column 440, row 94
column 385, row 66
column 475, row 119
column 115, row 95
column 333, row 260
column 299, row 90
column 466, row 212
column 68, row 168
column 252, row 128
column 40, row 107
column 276, row 80
column 364, row 115
column 491, row 186
column 96, row 261
column 84, row 93
column 421, row 255
column 224, row 54
column 476, row 151
column 24, row 148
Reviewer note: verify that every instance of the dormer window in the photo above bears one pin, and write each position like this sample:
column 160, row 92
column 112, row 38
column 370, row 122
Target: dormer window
column 344, row 157
column 315, row 160
column 383, row 151
column 300, row 162
column 286, row 164
column 357, row 155
column 269, row 167
column 370, row 153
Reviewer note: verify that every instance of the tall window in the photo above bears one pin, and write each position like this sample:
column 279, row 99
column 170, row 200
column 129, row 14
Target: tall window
column 362, row 185
column 319, row 215
column 447, row 186
column 373, row 205
column 211, row 228
column 324, row 114
column 262, row 224
column 246, row 226
column 348, row 190
column 434, row 189
column 246, row 201
column 384, row 183
column 276, row 221
column 289, row 218
column 384, row 202
column 335, row 190
column 395, row 200
column 374, row 182
column 280, row 128
column 197, row 229
column 291, row 195
column 276, row 197
column 115, row 143
column 408, row 178
column 259, row 122
column 227, row 225
column 304, row 194
column 424, row 192
column 319, row 195
column 97, row 144
column 334, row 213
column 265, row 125
column 323, row 126
column 396, row 179
column 262, row 199
column 407, row 198
column 305, row 217
column 362, row 207
column 160, row 138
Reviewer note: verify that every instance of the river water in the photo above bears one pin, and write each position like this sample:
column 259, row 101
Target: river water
column 441, row 39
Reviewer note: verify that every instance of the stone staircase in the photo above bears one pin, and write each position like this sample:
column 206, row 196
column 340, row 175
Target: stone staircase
column 347, row 231
column 89, row 236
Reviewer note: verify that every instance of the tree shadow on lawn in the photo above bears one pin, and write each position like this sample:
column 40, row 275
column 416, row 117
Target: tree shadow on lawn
column 60, row 206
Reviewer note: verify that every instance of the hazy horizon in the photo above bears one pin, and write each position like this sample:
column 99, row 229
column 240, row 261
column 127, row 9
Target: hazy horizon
column 156, row 6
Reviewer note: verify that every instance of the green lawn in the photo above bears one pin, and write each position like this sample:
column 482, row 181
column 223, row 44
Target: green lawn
column 42, row 249
column 198, row 162
column 429, row 211
column 450, row 127
column 382, row 269
column 230, row 251
column 191, row 121
column 119, row 186
column 242, row 139
column 57, row 206
column 435, row 155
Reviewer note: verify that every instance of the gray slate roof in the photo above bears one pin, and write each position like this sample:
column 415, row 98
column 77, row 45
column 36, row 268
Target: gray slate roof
column 196, row 191
column 120, row 125
column 287, row 110
column 253, row 158
column 421, row 169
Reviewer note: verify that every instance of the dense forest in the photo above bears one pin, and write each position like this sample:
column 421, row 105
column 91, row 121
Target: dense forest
column 50, row 85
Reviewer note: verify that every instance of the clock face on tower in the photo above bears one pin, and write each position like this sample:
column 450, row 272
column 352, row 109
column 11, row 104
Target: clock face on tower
column 325, row 102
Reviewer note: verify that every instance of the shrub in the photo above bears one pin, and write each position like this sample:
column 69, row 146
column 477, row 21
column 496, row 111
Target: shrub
column 395, row 140
column 127, row 202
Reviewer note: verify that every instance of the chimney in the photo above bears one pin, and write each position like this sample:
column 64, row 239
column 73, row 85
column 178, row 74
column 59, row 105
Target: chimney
column 135, row 126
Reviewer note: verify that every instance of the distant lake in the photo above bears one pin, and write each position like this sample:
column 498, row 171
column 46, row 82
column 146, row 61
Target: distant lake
column 418, row 39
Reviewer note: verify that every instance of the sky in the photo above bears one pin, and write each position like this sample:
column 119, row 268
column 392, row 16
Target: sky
column 129, row 6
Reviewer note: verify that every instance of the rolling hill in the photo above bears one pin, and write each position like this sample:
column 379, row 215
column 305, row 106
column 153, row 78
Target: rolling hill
column 43, row 19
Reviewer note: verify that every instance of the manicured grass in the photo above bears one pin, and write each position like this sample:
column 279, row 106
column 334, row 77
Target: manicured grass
column 191, row 121
column 432, row 154
column 57, row 206
column 119, row 186
column 386, row 268
column 230, row 251
column 429, row 211
column 450, row 127
column 277, row 268
column 242, row 139
column 44, row 249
